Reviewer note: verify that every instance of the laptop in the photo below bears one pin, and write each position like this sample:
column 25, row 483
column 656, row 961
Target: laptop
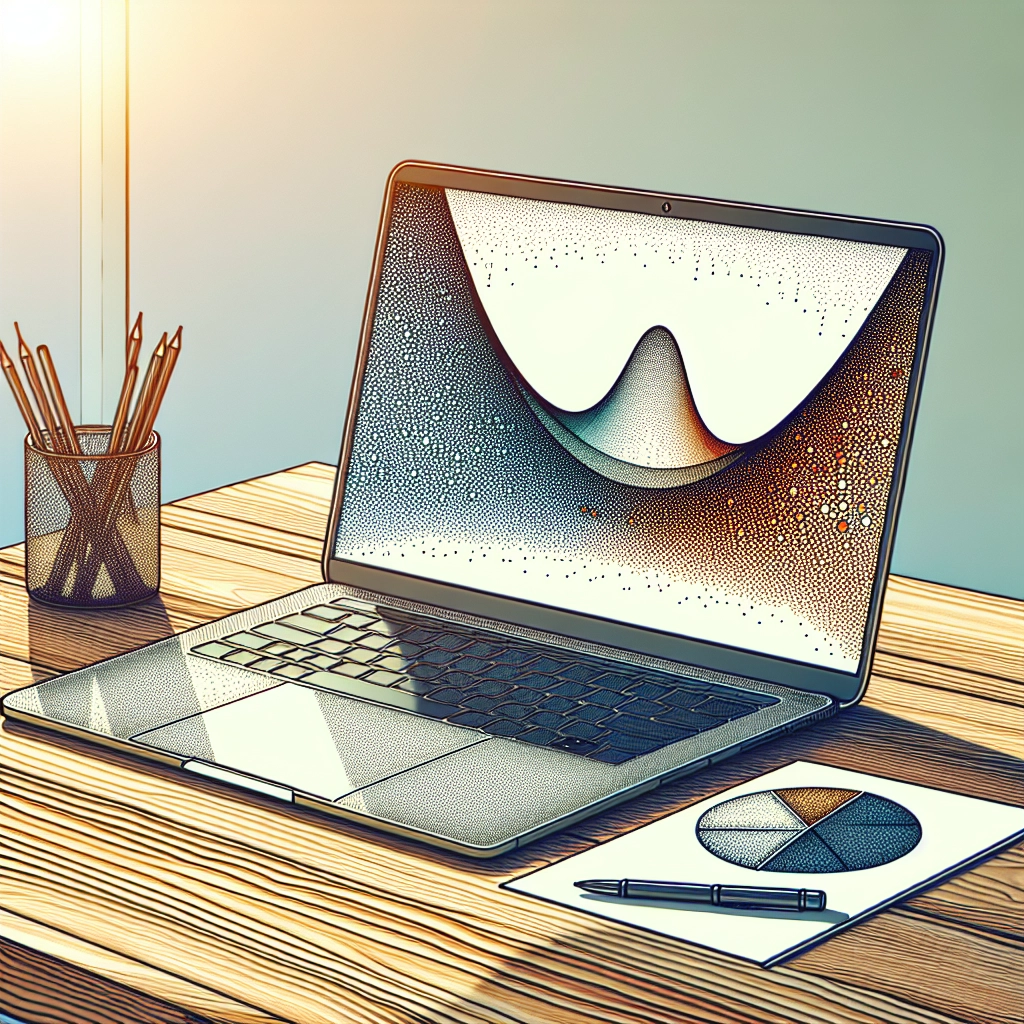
column 615, row 501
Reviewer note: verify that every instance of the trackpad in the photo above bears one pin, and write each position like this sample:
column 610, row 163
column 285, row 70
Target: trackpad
column 310, row 740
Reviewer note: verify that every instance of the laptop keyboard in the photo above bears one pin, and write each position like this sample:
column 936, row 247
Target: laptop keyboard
column 506, row 686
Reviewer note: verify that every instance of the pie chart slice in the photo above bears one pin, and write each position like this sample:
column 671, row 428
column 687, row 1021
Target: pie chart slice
column 809, row 830
column 749, row 848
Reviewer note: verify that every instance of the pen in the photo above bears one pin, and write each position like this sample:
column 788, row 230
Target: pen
column 750, row 897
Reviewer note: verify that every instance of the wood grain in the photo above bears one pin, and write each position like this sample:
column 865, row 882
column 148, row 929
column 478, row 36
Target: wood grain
column 43, row 990
column 42, row 945
column 942, row 677
column 961, row 628
column 349, row 929
column 991, row 896
column 232, row 908
column 924, row 962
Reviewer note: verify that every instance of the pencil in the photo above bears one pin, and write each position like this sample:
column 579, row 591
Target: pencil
column 24, row 406
column 133, row 343
column 121, row 416
column 57, row 395
column 142, row 403
column 36, row 386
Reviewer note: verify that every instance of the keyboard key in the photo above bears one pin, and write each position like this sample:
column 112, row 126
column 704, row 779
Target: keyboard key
column 644, row 727
column 513, row 656
column 438, row 657
column 614, row 681
column 514, row 711
column 299, row 654
column 472, row 719
column 375, row 642
column 470, row 683
column 680, row 716
column 471, row 665
column 242, row 657
column 582, row 730
column 212, row 649
column 383, row 628
column 569, row 689
column 605, row 698
column 308, row 623
column 481, row 650
column 682, row 697
column 277, row 631
column 329, row 645
column 612, row 756
column 591, row 712
column 574, row 745
column 504, row 671
column 348, row 634
column 580, row 673
column 278, row 649
column 292, row 672
column 542, row 737
column 449, row 695
column 488, row 687
column 324, row 661
column 716, row 707
column 328, row 612
column 452, row 642
column 642, row 708
column 350, row 668
column 361, row 656
column 383, row 678
column 535, row 681
column 547, row 719
column 250, row 640
column 406, row 650
column 481, row 703
column 551, row 667
column 360, row 621
column 647, row 690
column 504, row 727
column 424, row 671
column 266, row 664
column 522, row 696
column 557, row 704
column 389, row 695
column 391, row 663
column 634, row 744
column 421, row 636
column 418, row 686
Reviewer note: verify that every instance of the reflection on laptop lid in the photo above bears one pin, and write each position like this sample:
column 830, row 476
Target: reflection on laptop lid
column 674, row 424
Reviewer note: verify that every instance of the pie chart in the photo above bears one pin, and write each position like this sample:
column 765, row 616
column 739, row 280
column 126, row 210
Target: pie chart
column 809, row 830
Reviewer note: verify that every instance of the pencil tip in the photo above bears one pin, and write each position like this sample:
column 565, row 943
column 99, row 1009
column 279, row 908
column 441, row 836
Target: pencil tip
column 23, row 349
column 5, row 359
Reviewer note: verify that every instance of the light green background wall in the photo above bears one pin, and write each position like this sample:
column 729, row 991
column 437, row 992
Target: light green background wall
column 262, row 133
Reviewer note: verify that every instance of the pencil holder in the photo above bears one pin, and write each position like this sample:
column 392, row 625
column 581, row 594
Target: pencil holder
column 92, row 523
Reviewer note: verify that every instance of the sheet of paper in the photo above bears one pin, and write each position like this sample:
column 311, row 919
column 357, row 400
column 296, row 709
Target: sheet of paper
column 955, row 831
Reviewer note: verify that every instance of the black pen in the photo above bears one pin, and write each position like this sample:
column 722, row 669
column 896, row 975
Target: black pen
column 749, row 897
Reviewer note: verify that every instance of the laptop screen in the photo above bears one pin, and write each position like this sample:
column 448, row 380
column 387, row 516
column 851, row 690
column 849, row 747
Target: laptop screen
column 675, row 424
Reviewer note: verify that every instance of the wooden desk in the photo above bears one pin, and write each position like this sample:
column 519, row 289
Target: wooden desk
column 129, row 895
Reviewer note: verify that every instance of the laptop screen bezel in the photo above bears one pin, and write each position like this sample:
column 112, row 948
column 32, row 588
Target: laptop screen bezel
column 844, row 687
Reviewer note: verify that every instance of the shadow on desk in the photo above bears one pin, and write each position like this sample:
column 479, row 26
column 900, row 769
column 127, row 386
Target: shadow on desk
column 58, row 636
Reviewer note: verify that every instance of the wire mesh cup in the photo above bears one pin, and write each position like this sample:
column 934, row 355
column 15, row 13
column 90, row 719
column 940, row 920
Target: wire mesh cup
column 92, row 523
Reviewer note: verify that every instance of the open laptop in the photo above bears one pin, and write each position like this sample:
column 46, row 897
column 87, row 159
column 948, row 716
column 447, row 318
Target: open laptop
column 615, row 501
